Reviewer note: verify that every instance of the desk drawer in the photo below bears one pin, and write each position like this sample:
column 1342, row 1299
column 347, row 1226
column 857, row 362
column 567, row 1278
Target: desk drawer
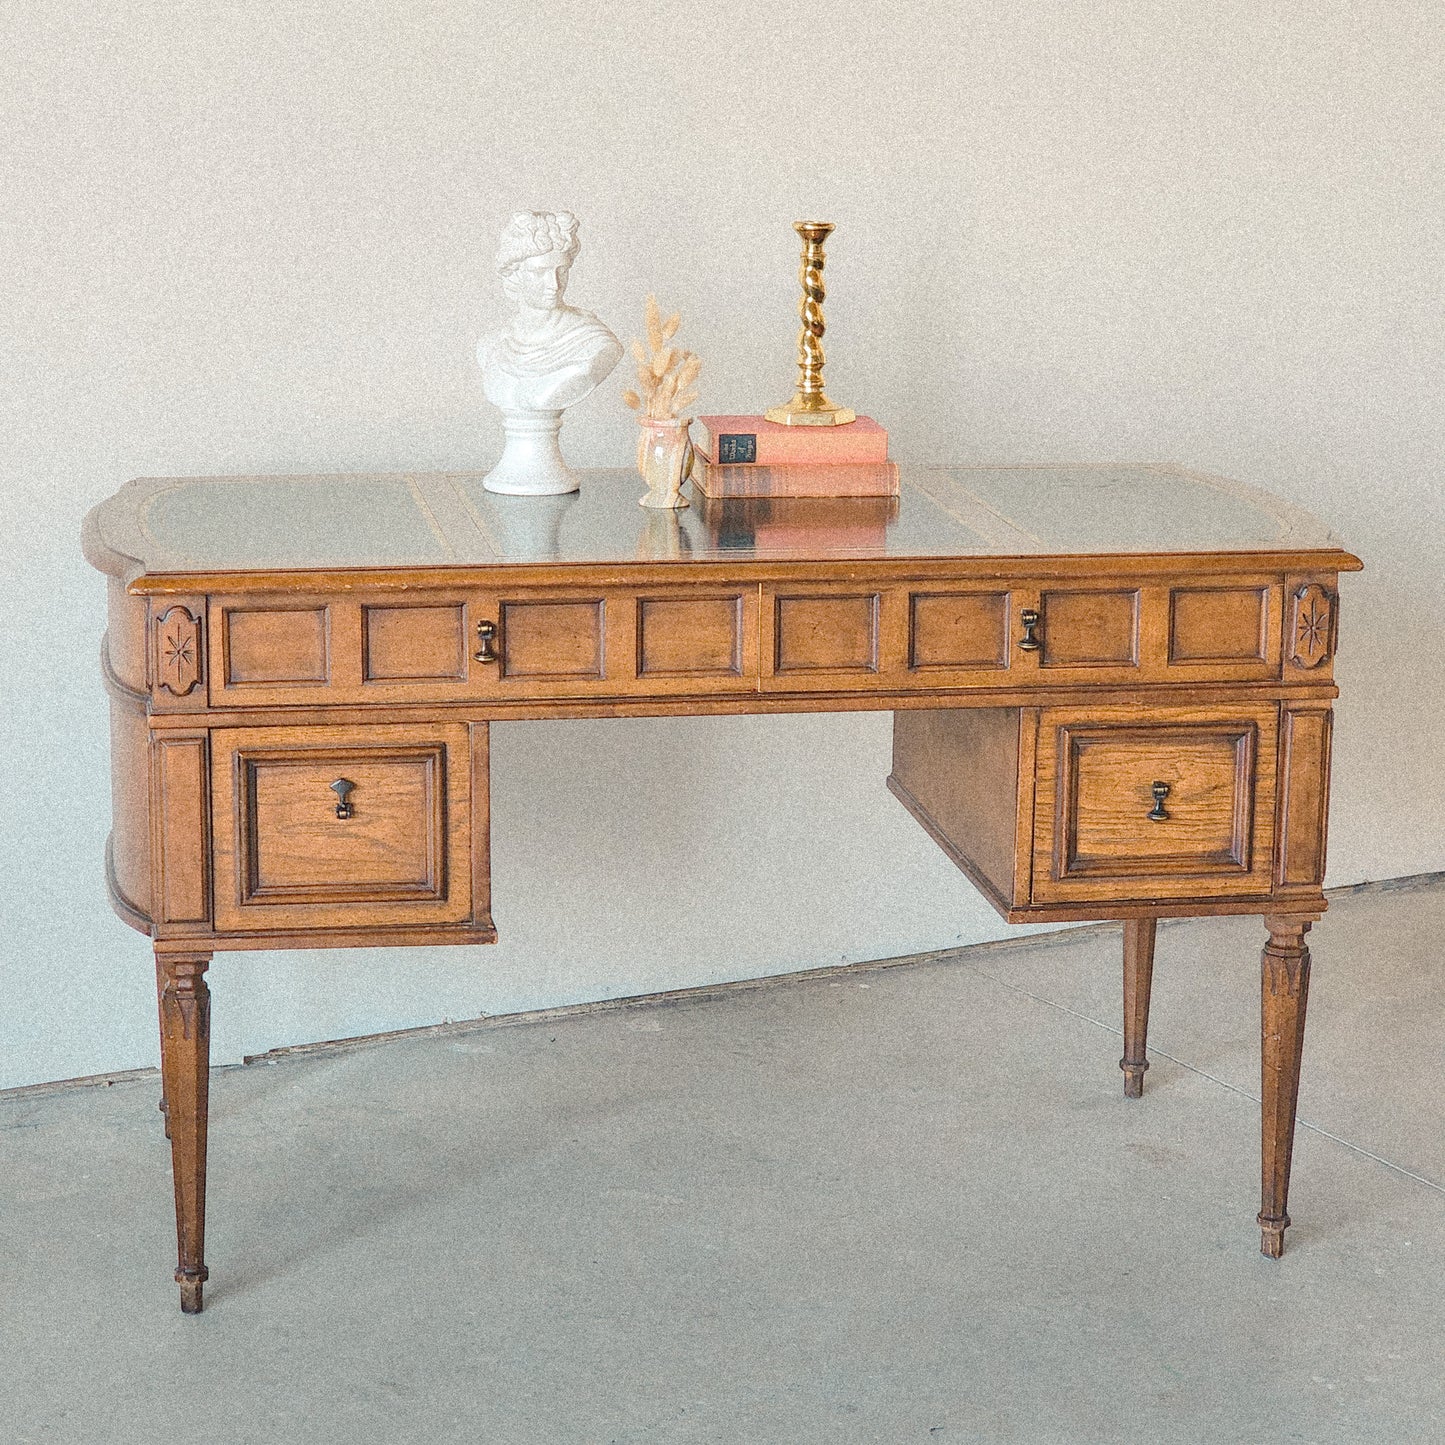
column 320, row 827
column 1031, row 633
column 553, row 642
column 1179, row 804
column 522, row 643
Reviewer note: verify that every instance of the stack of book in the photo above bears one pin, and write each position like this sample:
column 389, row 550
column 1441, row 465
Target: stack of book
column 749, row 456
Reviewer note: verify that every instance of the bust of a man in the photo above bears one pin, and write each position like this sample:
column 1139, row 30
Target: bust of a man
column 550, row 355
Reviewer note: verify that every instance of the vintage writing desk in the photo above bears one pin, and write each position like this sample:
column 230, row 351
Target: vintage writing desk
column 1111, row 690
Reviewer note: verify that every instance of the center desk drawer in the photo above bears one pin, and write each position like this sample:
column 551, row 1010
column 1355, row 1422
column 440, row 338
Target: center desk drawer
column 697, row 639
column 1176, row 804
column 528, row 642
column 344, row 827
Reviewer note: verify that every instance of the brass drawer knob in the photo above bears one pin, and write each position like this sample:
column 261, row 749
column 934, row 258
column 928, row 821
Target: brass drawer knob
column 1159, row 814
column 1029, row 642
column 487, row 637
column 343, row 787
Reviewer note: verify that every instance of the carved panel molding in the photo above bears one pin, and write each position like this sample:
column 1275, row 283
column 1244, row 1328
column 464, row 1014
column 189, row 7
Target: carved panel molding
column 1311, row 625
column 178, row 651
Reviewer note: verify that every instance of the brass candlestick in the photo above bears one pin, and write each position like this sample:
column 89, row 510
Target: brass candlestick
column 810, row 406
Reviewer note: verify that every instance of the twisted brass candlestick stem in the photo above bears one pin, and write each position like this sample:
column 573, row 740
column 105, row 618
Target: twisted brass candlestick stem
column 810, row 405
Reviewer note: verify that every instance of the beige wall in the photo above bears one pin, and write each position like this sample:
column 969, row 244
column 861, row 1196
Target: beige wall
column 256, row 237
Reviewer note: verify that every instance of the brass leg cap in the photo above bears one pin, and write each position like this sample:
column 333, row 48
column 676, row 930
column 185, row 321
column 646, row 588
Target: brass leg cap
column 191, row 1282
column 1271, row 1235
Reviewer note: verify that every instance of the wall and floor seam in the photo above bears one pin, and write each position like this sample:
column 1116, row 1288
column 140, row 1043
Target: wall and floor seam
column 704, row 993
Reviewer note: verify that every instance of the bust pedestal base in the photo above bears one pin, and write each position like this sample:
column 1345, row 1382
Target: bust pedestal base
column 532, row 464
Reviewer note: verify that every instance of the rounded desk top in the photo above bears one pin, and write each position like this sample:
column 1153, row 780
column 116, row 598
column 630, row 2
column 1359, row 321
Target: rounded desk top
column 211, row 526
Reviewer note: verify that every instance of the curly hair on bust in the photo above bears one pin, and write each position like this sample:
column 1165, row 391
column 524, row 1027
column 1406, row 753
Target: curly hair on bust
column 536, row 233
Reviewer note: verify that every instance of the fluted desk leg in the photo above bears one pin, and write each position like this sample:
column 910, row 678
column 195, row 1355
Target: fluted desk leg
column 186, row 1072
column 1284, row 992
column 1138, row 978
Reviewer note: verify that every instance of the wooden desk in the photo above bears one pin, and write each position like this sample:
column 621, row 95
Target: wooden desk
column 1111, row 689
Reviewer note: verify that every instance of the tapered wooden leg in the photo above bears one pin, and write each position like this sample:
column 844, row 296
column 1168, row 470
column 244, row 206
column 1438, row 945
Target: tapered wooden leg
column 161, row 1016
column 1138, row 978
column 1284, row 992
column 186, row 1074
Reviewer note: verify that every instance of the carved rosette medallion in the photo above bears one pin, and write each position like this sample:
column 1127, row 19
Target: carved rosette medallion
column 1311, row 626
column 178, row 651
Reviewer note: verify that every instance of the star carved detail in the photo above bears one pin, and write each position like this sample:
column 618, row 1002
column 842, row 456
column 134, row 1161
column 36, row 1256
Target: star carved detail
column 180, row 650
column 1312, row 628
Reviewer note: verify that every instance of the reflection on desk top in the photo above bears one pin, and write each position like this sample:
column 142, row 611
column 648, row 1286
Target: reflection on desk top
column 260, row 524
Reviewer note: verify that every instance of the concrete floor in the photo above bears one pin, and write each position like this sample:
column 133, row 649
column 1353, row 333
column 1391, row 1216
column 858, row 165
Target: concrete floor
column 905, row 1204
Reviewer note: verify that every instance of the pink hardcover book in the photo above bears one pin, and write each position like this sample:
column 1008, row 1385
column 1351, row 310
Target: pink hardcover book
column 753, row 440
column 844, row 479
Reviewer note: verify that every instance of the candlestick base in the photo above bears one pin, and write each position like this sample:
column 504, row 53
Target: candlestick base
column 814, row 410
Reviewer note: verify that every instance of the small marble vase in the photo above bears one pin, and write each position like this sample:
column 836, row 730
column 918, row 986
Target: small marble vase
column 664, row 458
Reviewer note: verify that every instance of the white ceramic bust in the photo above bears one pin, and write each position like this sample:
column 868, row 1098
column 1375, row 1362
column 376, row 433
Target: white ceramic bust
column 547, row 358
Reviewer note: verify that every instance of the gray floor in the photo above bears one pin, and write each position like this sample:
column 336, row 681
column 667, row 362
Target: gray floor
column 906, row 1204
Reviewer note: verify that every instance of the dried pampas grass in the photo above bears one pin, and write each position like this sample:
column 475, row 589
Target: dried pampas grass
column 665, row 374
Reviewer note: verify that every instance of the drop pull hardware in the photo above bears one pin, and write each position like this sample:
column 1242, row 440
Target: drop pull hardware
column 1029, row 642
column 1158, row 813
column 487, row 637
column 343, row 788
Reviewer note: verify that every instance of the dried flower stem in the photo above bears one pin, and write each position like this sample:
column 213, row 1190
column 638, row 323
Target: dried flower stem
column 665, row 374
